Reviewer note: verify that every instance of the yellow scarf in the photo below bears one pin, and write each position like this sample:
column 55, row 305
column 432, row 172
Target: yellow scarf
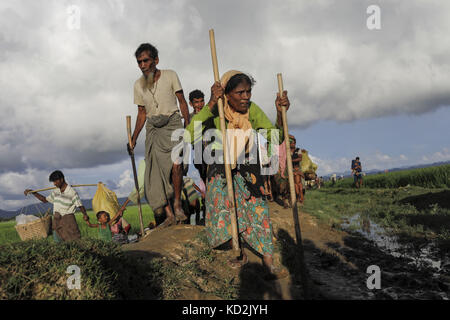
column 237, row 140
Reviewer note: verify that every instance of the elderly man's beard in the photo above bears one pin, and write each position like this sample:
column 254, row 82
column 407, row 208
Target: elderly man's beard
column 150, row 80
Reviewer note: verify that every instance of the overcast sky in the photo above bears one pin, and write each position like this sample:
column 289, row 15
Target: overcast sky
column 65, row 91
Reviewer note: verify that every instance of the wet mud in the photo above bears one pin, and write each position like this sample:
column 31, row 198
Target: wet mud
column 337, row 260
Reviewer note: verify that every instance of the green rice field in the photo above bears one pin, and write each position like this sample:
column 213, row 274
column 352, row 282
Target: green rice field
column 8, row 233
column 431, row 177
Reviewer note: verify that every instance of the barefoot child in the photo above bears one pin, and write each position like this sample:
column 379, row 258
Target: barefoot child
column 104, row 226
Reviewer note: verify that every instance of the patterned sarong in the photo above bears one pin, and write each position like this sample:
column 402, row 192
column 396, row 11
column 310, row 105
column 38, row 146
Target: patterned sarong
column 254, row 226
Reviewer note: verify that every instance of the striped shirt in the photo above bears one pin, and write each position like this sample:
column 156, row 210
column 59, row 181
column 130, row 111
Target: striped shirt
column 189, row 190
column 64, row 202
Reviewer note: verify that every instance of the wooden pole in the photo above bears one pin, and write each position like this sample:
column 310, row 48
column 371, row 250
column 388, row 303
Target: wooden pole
column 73, row 186
column 233, row 219
column 136, row 182
column 298, row 235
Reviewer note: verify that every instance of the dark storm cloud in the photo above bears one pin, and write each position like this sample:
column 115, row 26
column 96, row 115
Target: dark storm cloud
column 64, row 94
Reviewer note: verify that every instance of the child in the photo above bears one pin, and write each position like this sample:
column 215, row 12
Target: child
column 104, row 226
column 192, row 200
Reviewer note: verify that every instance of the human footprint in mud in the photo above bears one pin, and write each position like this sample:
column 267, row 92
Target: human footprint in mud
column 254, row 226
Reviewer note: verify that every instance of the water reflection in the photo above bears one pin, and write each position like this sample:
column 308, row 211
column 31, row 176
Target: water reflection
column 424, row 256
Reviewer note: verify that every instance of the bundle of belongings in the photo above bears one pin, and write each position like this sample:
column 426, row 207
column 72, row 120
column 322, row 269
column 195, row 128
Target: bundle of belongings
column 24, row 219
column 191, row 199
column 308, row 167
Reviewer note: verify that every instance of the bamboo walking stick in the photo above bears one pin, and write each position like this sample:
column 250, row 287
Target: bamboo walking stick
column 73, row 186
column 234, row 229
column 136, row 183
column 298, row 235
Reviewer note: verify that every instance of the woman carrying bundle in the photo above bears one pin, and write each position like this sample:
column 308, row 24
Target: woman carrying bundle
column 254, row 226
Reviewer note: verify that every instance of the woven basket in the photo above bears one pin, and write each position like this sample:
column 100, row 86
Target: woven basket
column 35, row 230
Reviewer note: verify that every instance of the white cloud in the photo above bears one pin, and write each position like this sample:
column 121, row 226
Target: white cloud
column 13, row 184
column 64, row 94
column 443, row 155
column 374, row 161
column 125, row 184
column 117, row 177
column 329, row 166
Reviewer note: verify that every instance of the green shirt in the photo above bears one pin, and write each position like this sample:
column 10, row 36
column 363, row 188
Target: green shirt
column 210, row 119
column 104, row 234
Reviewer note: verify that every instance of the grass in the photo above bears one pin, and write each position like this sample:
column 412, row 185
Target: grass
column 431, row 177
column 8, row 233
column 38, row 270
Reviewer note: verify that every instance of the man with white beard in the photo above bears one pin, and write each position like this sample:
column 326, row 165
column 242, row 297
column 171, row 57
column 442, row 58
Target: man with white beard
column 156, row 94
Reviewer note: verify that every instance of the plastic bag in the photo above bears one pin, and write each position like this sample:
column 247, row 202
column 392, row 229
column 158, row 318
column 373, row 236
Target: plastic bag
column 105, row 200
column 24, row 219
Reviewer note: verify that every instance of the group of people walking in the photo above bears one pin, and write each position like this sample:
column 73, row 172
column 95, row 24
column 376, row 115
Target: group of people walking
column 162, row 109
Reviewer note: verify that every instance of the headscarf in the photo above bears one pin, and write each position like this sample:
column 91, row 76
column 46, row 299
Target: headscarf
column 236, row 120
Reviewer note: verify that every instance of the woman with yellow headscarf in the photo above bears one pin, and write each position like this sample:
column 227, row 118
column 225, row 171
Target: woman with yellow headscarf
column 254, row 226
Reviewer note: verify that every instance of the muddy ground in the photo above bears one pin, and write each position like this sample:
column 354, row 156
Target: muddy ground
column 336, row 260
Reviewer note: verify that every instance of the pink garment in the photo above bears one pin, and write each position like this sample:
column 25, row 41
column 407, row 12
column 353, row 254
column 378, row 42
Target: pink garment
column 282, row 158
column 119, row 226
column 201, row 185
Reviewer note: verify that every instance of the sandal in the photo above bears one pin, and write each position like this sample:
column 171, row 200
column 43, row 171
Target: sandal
column 238, row 263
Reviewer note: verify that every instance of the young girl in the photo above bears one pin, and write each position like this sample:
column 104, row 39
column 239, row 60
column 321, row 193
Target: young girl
column 104, row 226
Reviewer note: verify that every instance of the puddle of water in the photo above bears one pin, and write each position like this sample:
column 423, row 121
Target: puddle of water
column 390, row 244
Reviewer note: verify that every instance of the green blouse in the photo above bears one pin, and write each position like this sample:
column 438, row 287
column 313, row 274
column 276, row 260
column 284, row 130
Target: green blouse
column 211, row 120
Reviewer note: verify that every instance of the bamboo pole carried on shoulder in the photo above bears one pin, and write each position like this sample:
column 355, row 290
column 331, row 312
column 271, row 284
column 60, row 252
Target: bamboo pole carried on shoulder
column 298, row 234
column 233, row 217
column 73, row 186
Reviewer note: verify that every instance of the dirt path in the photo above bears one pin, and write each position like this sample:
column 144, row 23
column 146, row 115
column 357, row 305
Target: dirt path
column 336, row 261
column 333, row 275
